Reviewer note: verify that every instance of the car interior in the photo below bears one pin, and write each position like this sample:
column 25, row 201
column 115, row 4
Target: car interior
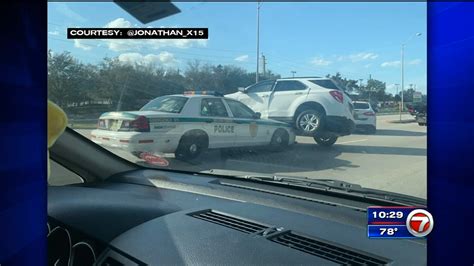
column 105, row 210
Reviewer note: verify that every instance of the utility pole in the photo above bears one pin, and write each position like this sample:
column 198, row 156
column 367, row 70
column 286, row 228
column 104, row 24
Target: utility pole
column 402, row 75
column 264, row 63
column 258, row 39
column 293, row 72
column 402, row 68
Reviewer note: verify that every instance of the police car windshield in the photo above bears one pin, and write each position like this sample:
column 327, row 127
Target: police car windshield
column 168, row 104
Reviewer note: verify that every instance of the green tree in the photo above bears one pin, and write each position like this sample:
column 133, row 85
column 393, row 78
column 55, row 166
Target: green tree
column 348, row 85
column 408, row 95
column 70, row 83
column 376, row 90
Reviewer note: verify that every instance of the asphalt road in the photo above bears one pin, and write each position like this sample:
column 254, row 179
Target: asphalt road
column 394, row 159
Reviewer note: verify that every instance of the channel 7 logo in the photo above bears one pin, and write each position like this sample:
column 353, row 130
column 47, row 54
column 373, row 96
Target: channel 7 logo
column 419, row 223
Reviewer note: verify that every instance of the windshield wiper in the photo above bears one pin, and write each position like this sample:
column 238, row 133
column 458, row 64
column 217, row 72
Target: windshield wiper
column 337, row 186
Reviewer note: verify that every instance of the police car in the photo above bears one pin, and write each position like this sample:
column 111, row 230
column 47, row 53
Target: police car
column 188, row 124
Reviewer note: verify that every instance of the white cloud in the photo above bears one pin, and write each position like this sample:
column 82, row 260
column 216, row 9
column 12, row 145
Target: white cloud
column 318, row 61
column 163, row 58
column 242, row 58
column 391, row 87
column 64, row 9
column 54, row 33
column 121, row 45
column 78, row 43
column 118, row 23
column 414, row 62
column 368, row 65
column 390, row 64
column 167, row 58
column 178, row 43
column 362, row 56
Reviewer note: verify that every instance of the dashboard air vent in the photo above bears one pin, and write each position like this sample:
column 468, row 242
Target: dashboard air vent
column 323, row 249
column 230, row 221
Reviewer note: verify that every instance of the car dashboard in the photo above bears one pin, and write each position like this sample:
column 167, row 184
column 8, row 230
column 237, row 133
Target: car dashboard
column 149, row 217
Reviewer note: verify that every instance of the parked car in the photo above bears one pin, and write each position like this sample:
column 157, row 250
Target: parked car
column 415, row 108
column 189, row 124
column 365, row 118
column 420, row 114
column 411, row 109
column 314, row 106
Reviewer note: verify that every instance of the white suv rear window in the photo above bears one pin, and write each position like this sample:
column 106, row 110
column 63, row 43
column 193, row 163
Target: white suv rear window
column 327, row 84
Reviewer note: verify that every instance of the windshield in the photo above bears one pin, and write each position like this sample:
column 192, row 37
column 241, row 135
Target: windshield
column 173, row 104
column 169, row 98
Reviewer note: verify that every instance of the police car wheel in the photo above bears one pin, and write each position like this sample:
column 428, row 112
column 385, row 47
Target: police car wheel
column 280, row 140
column 190, row 147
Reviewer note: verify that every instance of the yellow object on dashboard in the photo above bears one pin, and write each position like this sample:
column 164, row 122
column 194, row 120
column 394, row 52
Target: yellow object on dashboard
column 57, row 122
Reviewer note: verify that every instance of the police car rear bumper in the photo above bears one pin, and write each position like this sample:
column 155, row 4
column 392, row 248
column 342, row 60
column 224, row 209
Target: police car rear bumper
column 134, row 142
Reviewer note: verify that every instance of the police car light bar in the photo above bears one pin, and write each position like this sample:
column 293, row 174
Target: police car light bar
column 213, row 93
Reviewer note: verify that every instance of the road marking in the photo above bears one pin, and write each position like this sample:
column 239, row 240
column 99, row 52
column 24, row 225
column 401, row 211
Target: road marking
column 351, row 141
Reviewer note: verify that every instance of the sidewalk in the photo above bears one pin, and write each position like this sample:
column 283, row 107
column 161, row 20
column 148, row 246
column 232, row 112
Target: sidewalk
column 404, row 119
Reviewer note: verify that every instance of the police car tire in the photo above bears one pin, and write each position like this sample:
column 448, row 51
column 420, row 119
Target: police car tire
column 280, row 140
column 309, row 112
column 184, row 150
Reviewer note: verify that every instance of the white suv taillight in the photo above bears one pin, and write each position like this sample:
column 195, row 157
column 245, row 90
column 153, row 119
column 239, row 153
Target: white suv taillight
column 337, row 95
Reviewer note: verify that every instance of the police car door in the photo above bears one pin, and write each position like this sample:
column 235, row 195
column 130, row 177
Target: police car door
column 249, row 131
column 217, row 123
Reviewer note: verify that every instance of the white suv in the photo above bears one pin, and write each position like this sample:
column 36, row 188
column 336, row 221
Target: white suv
column 314, row 106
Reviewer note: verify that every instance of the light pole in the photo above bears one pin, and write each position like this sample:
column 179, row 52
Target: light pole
column 402, row 68
column 293, row 72
column 258, row 37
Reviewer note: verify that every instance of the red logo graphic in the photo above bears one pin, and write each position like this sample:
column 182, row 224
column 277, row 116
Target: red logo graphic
column 419, row 223
column 153, row 159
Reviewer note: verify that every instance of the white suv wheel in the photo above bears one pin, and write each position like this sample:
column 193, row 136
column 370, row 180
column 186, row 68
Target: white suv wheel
column 308, row 121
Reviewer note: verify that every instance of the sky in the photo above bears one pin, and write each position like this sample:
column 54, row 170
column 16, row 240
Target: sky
column 359, row 40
